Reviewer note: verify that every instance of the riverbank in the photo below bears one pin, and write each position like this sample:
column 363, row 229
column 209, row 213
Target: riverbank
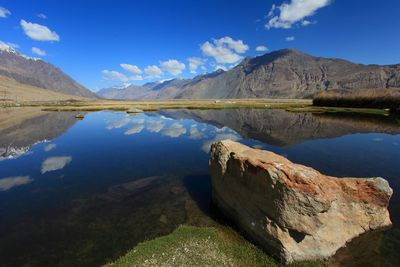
column 291, row 105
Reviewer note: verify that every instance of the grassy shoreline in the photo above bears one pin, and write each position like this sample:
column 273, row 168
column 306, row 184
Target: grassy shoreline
column 290, row 105
column 200, row 246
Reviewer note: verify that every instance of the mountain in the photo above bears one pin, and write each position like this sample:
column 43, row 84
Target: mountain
column 11, row 90
column 39, row 74
column 286, row 73
column 154, row 90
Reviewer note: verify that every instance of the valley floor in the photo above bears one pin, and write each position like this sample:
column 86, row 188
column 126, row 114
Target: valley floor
column 292, row 105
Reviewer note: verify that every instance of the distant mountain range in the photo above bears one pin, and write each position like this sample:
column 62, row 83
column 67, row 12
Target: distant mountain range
column 37, row 74
column 286, row 73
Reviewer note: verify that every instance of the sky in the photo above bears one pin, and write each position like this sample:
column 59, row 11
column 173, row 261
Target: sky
column 106, row 43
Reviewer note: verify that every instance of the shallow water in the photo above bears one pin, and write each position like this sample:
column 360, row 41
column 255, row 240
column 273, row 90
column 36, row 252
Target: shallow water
column 81, row 193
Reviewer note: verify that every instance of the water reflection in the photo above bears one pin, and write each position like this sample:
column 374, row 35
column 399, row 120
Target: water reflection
column 155, row 126
column 49, row 147
column 281, row 128
column 121, row 180
column 174, row 130
column 21, row 128
column 134, row 130
column 55, row 163
column 10, row 182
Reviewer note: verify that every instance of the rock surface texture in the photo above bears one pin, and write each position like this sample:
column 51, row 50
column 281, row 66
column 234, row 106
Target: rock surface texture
column 291, row 210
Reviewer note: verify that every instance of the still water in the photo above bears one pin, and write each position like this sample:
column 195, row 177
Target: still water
column 81, row 193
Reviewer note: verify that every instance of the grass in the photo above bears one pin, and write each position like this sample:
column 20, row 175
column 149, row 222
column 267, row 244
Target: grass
column 199, row 246
column 153, row 105
column 370, row 99
column 291, row 105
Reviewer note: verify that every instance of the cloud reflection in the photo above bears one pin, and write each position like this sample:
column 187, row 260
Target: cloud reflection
column 174, row 130
column 207, row 144
column 10, row 182
column 55, row 163
column 49, row 147
column 135, row 129
column 155, row 126
column 195, row 133
column 118, row 124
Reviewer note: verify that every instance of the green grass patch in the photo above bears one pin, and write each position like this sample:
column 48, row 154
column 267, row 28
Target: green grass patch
column 200, row 246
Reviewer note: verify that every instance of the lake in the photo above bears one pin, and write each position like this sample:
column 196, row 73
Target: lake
column 83, row 192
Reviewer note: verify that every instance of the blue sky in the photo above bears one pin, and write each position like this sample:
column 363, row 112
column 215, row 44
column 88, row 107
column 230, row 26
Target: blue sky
column 90, row 40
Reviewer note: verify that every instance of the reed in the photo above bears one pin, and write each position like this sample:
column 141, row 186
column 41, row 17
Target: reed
column 381, row 99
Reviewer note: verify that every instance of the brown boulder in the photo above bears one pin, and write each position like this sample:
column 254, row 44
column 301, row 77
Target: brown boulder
column 291, row 210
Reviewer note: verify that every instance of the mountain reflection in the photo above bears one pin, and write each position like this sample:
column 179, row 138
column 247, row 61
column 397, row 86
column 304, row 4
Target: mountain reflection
column 21, row 128
column 282, row 128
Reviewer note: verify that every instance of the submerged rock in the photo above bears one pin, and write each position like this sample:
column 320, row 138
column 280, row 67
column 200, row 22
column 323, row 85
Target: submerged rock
column 291, row 210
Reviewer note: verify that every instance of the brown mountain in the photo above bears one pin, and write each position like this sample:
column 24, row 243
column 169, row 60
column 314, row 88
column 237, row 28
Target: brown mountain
column 39, row 74
column 286, row 73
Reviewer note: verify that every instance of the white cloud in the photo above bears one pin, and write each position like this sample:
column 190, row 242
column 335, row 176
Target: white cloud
column 134, row 129
column 290, row 38
column 135, row 78
column 42, row 16
column 194, row 63
column 39, row 32
column 175, row 130
column 131, row 68
column 38, row 51
column 10, row 182
column 55, row 163
column 113, row 75
column 293, row 12
column 238, row 45
column 261, row 48
column 155, row 126
column 8, row 46
column 172, row 66
column 224, row 50
column 49, row 147
column 153, row 72
column 4, row 13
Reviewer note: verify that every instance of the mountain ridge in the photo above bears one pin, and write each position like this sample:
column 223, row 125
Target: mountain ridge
column 285, row 73
column 39, row 73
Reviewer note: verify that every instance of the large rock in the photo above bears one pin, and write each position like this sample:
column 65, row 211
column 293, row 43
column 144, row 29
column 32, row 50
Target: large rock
column 291, row 210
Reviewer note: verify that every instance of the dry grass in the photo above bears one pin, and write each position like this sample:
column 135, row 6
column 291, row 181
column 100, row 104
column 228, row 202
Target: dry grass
column 379, row 99
column 153, row 105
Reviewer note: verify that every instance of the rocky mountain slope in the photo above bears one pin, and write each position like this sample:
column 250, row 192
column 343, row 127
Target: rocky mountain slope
column 38, row 73
column 154, row 90
column 286, row 73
